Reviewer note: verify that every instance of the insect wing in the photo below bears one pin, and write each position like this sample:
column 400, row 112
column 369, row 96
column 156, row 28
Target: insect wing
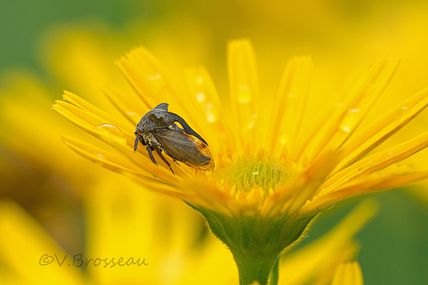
column 185, row 148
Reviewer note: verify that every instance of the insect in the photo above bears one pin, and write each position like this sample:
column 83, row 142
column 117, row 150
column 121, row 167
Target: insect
column 158, row 131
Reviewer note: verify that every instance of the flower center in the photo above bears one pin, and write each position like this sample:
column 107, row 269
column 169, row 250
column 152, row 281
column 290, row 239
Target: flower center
column 257, row 171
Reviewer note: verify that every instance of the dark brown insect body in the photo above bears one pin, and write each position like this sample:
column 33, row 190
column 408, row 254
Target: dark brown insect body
column 158, row 131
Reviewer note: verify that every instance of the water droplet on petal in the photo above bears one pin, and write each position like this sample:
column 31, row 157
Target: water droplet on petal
column 100, row 156
column 134, row 116
column 283, row 140
column 339, row 104
column 345, row 128
column 354, row 110
column 402, row 112
column 291, row 95
column 122, row 141
column 200, row 96
column 109, row 129
column 350, row 121
column 211, row 117
column 199, row 80
column 154, row 76
column 244, row 94
column 131, row 113
column 252, row 121
column 210, row 112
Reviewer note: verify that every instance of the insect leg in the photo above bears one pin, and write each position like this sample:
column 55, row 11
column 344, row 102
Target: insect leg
column 137, row 140
column 149, row 150
column 164, row 159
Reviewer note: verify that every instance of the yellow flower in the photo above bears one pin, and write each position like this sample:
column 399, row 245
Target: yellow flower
column 126, row 222
column 318, row 260
column 31, row 133
column 280, row 160
column 348, row 273
column 36, row 169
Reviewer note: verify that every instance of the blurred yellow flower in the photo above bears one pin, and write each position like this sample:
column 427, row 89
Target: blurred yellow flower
column 316, row 262
column 126, row 222
column 281, row 160
column 30, row 132
column 36, row 169
column 348, row 273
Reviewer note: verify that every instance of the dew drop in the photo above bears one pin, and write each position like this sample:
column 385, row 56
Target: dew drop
column 252, row 122
column 283, row 140
column 131, row 113
column 200, row 96
column 354, row 110
column 109, row 129
column 199, row 80
column 154, row 83
column 211, row 117
column 291, row 95
column 154, row 77
column 402, row 112
column 210, row 112
column 339, row 104
column 244, row 94
column 345, row 128
column 122, row 141
column 100, row 156
column 351, row 120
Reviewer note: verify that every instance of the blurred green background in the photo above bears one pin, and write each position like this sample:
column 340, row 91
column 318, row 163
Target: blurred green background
column 395, row 245
column 23, row 22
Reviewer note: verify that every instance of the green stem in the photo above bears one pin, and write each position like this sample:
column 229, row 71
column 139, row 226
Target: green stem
column 274, row 275
column 256, row 268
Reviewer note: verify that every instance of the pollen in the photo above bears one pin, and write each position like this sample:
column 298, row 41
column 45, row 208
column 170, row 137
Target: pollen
column 261, row 171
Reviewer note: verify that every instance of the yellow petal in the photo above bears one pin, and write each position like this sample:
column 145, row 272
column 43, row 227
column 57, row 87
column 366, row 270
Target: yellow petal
column 290, row 105
column 344, row 120
column 348, row 273
column 313, row 177
column 384, row 128
column 378, row 161
column 85, row 105
column 368, row 184
column 244, row 92
column 116, row 163
column 103, row 157
column 205, row 102
column 145, row 75
column 133, row 110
